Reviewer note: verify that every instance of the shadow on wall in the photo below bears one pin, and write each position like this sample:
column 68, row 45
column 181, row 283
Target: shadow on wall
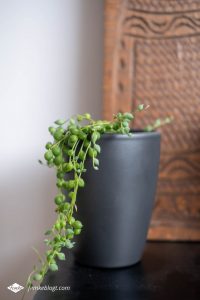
column 90, row 58
column 26, row 214
column 27, row 190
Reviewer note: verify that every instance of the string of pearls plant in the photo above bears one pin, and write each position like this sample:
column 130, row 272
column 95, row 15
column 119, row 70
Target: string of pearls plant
column 74, row 141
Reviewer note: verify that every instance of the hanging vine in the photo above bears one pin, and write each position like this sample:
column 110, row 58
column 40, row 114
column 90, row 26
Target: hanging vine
column 74, row 141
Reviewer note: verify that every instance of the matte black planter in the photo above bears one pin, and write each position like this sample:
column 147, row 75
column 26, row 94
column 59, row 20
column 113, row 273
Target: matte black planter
column 116, row 203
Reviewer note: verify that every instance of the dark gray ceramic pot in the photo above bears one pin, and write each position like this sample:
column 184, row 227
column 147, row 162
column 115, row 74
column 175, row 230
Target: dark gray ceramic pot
column 116, row 203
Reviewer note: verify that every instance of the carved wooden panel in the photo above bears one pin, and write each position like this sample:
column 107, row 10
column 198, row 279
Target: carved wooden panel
column 152, row 56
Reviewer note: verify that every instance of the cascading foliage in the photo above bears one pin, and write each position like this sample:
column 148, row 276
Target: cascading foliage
column 74, row 141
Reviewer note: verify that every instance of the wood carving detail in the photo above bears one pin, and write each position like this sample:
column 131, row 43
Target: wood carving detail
column 156, row 60
column 159, row 27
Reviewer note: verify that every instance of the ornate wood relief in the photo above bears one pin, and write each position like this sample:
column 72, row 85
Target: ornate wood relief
column 152, row 56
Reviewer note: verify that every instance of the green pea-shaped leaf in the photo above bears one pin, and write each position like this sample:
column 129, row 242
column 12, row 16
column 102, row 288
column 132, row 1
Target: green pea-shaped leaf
column 59, row 199
column 98, row 135
column 70, row 236
column 71, row 184
column 81, row 182
column 70, row 152
column 87, row 116
column 94, row 137
column 48, row 155
column 125, row 124
column 37, row 277
column 69, row 244
column 126, row 130
column 60, row 122
column 56, row 150
column 74, row 130
column 148, row 128
column 67, row 206
column 119, row 115
column 140, row 107
column 72, row 121
column 67, row 167
column 108, row 127
column 73, row 138
column 58, row 134
column 115, row 126
column 168, row 120
column 94, row 153
column 96, row 161
column 81, row 155
column 61, row 256
column 48, row 145
column 157, row 123
column 86, row 143
column 60, row 175
column 97, row 148
column 79, row 118
column 77, row 225
column 57, row 226
column 59, row 183
column 53, row 267
column 69, row 231
column 77, row 231
column 58, row 160
column 128, row 116
column 71, row 220
column 72, row 195
column 64, row 184
column 52, row 130
column 90, row 152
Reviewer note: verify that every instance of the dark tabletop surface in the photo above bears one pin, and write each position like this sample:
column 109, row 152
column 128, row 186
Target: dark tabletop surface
column 167, row 271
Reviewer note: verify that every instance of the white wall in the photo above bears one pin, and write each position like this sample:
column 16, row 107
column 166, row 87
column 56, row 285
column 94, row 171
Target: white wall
column 51, row 57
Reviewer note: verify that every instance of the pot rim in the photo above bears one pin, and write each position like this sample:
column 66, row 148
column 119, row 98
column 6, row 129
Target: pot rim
column 136, row 134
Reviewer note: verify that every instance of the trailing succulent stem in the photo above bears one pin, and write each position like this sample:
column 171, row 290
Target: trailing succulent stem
column 74, row 141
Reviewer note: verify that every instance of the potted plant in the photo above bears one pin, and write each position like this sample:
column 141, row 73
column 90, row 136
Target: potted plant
column 111, row 204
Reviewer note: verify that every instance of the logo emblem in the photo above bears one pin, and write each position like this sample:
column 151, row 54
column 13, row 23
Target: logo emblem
column 15, row 287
